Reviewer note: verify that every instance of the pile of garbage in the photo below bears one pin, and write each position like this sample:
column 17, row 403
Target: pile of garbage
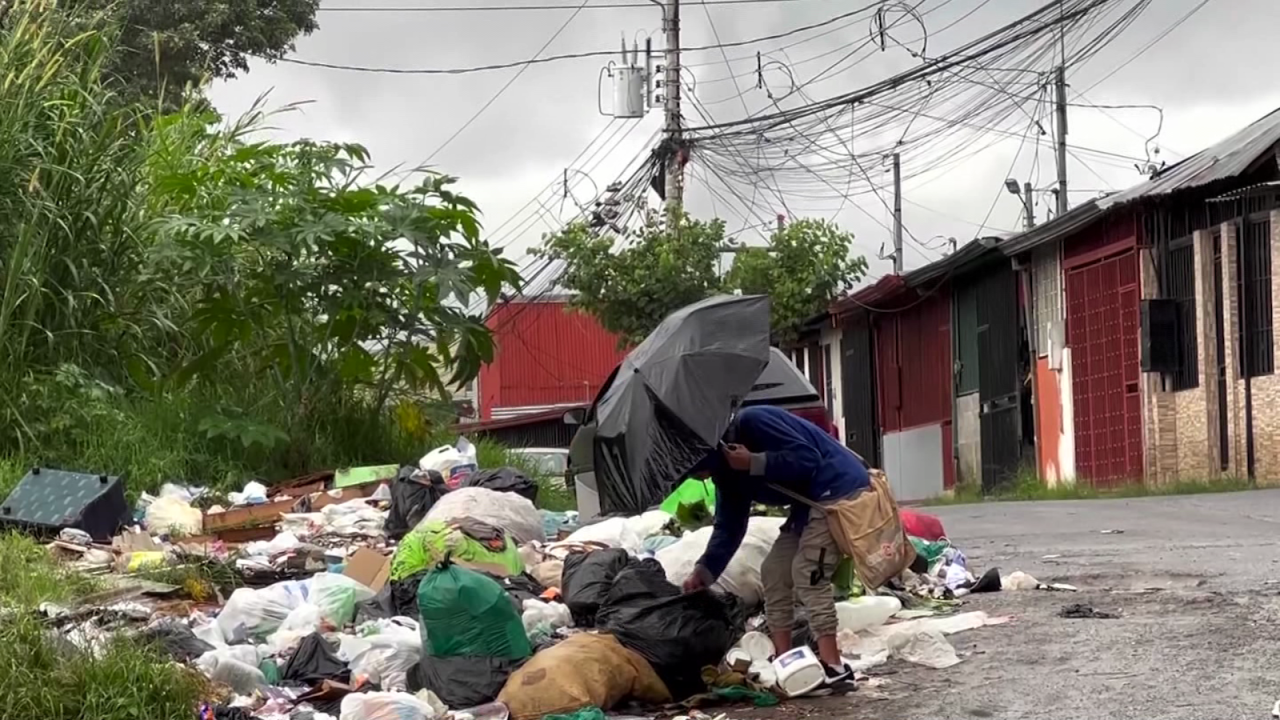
column 440, row 588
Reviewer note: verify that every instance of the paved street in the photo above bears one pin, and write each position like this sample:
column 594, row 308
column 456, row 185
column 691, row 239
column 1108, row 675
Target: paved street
column 1196, row 580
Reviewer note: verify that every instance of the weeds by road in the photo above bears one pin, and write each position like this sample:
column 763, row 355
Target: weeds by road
column 1029, row 487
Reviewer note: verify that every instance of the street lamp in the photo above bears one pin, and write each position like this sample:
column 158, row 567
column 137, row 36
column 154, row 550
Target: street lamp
column 1028, row 207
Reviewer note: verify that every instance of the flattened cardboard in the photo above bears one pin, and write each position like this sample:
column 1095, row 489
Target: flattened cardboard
column 369, row 567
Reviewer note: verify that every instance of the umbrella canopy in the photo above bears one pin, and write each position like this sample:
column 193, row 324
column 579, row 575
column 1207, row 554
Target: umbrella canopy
column 669, row 403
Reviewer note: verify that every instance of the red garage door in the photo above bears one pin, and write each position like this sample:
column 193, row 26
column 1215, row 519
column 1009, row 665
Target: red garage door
column 1102, row 332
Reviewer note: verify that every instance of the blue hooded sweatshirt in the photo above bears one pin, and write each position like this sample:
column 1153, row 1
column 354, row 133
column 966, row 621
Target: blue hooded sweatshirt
column 787, row 451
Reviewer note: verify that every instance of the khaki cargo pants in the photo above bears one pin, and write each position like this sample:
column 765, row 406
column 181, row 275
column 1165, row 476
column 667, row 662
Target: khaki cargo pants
column 802, row 566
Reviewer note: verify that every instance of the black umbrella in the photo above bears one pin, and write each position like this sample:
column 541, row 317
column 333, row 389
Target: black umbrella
column 669, row 402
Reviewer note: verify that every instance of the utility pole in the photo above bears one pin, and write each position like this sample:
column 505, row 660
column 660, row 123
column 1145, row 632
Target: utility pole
column 1030, row 220
column 1061, row 86
column 897, row 214
column 671, row 103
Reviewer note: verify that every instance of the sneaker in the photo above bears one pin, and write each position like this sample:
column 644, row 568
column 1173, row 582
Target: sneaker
column 839, row 676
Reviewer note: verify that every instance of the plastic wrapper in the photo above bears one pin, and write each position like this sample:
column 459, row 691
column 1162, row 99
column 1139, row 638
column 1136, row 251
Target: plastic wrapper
column 240, row 676
column 509, row 512
column 741, row 577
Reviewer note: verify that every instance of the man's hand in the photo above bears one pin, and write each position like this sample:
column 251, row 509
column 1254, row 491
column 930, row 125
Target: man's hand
column 699, row 579
column 738, row 457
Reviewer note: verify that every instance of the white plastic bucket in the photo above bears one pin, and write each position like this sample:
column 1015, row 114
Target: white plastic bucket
column 799, row 672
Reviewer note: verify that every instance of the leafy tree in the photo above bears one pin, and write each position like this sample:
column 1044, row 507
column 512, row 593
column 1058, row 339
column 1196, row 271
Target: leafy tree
column 672, row 261
column 326, row 284
column 807, row 263
column 669, row 263
column 165, row 46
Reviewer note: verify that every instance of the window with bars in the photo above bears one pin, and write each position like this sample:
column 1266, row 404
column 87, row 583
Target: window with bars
column 1258, row 353
column 1182, row 289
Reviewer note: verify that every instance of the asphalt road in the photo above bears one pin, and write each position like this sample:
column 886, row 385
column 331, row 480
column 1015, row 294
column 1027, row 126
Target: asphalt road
column 1195, row 580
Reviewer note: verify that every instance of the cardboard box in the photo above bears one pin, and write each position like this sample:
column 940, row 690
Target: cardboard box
column 250, row 516
column 369, row 567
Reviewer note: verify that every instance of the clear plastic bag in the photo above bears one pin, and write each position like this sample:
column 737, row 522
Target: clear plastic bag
column 337, row 595
column 253, row 613
column 387, row 659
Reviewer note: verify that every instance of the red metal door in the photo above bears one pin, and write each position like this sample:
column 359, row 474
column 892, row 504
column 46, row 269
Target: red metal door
column 1102, row 333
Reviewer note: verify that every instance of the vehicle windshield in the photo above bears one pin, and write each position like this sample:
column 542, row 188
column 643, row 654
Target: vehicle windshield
column 548, row 463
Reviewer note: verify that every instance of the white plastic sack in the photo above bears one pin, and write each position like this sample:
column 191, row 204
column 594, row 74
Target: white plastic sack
column 236, row 667
column 385, row 706
column 169, row 514
column 628, row 533
column 387, row 659
column 452, row 462
column 337, row 595
column 301, row 622
column 258, row 613
column 506, row 511
column 548, row 617
column 742, row 576
column 255, row 493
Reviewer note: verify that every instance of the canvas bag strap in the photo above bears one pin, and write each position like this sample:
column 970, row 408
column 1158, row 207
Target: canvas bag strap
column 795, row 496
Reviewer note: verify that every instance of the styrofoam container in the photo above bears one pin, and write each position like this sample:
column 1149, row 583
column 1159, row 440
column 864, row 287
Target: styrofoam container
column 799, row 672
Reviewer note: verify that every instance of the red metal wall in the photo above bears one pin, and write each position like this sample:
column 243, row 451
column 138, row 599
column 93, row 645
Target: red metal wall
column 913, row 367
column 545, row 354
column 914, row 370
column 1102, row 293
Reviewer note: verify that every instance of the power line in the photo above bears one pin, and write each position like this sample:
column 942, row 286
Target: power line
column 549, row 58
column 517, row 7
column 508, row 84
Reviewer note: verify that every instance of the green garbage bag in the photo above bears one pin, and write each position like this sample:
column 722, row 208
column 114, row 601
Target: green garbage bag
column 930, row 551
column 465, row 613
column 429, row 543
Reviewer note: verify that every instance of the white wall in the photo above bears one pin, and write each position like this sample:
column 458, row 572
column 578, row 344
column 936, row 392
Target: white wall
column 831, row 347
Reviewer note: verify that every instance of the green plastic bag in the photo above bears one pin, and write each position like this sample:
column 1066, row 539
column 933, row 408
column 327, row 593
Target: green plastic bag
column 466, row 613
column 690, row 492
column 930, row 551
column 430, row 542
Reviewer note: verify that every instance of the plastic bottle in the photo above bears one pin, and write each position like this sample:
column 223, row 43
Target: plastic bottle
column 864, row 613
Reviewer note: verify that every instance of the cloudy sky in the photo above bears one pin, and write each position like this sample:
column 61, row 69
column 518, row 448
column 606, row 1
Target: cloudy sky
column 1211, row 75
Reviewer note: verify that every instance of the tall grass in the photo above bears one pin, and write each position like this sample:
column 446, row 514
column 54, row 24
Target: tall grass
column 46, row 677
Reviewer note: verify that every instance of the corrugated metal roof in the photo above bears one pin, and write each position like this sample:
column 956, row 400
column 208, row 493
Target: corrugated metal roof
column 1223, row 161
column 1075, row 219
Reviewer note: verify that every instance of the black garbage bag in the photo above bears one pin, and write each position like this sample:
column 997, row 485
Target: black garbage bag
column 413, row 494
column 586, row 580
column 314, row 662
column 677, row 633
column 398, row 598
column 643, row 580
column 176, row 640
column 507, row 479
column 520, row 588
column 464, row 681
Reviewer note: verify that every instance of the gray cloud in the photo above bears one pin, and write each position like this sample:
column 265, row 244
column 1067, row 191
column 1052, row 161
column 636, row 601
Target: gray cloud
column 1208, row 76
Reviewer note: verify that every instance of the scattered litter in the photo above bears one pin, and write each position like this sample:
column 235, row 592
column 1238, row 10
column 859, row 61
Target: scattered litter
column 1050, row 557
column 926, row 647
column 1112, row 532
column 1020, row 581
column 1078, row 611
